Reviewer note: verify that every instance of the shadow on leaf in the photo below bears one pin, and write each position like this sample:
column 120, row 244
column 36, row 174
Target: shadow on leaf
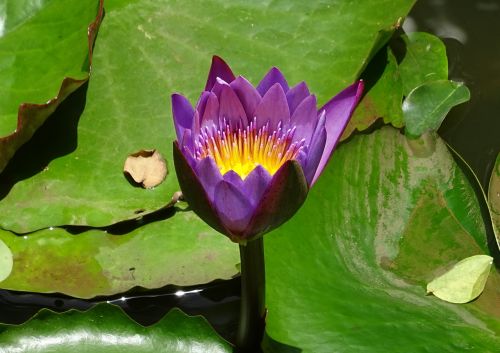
column 55, row 138
column 269, row 345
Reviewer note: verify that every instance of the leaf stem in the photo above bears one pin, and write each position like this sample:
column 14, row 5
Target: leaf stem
column 252, row 307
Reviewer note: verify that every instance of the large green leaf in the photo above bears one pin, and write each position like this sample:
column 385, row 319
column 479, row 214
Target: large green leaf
column 348, row 273
column 180, row 250
column 106, row 329
column 42, row 43
column 148, row 49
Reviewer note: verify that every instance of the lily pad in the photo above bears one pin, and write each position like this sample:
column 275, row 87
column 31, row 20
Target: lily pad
column 147, row 50
column 464, row 282
column 111, row 331
column 427, row 105
column 423, row 59
column 494, row 198
column 336, row 273
column 180, row 250
column 45, row 54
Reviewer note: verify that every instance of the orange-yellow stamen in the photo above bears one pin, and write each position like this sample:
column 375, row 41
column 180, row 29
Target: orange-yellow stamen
column 243, row 150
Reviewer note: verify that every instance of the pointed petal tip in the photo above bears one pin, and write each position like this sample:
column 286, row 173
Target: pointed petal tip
column 338, row 112
column 361, row 87
column 177, row 98
column 273, row 107
column 274, row 75
column 218, row 69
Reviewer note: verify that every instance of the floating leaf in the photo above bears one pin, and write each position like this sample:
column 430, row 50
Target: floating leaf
column 147, row 50
column 427, row 105
column 5, row 261
column 337, row 274
column 424, row 60
column 106, row 329
column 146, row 167
column 179, row 250
column 464, row 282
column 41, row 44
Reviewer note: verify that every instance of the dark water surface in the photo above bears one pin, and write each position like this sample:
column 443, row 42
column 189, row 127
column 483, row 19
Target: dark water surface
column 470, row 30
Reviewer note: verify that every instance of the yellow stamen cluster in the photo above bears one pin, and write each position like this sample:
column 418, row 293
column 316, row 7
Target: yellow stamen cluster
column 243, row 150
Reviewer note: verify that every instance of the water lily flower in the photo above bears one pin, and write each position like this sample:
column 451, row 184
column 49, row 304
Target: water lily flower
column 247, row 156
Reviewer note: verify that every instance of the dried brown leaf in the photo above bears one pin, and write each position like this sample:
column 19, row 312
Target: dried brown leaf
column 146, row 167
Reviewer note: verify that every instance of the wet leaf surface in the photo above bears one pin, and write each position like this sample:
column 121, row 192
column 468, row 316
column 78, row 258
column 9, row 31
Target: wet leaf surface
column 427, row 105
column 353, row 280
column 106, row 329
column 464, row 282
column 147, row 50
column 179, row 250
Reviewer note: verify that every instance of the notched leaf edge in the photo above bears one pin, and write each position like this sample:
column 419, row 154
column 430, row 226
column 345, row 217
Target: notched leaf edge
column 31, row 116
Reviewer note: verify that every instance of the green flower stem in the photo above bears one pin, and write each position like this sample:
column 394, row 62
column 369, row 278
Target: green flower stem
column 252, row 308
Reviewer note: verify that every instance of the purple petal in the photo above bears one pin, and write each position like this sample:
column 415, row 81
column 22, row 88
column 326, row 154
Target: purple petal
column 305, row 119
column 211, row 113
column 302, row 157
column 217, row 87
column 231, row 109
column 209, row 175
column 315, row 151
column 284, row 195
column 296, row 95
column 234, row 178
column 273, row 108
column 338, row 112
column 219, row 68
column 196, row 124
column 194, row 192
column 256, row 183
column 183, row 114
column 248, row 95
column 202, row 102
column 187, row 140
column 232, row 206
column 272, row 77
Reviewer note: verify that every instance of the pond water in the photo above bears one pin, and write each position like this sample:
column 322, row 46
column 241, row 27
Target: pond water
column 468, row 29
column 472, row 129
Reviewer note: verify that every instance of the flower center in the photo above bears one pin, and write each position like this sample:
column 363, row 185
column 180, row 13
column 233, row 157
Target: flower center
column 243, row 150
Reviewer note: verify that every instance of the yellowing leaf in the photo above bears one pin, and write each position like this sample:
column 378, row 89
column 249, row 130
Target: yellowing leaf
column 6, row 261
column 464, row 282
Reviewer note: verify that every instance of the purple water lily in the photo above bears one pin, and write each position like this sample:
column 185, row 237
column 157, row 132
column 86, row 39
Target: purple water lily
column 246, row 157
